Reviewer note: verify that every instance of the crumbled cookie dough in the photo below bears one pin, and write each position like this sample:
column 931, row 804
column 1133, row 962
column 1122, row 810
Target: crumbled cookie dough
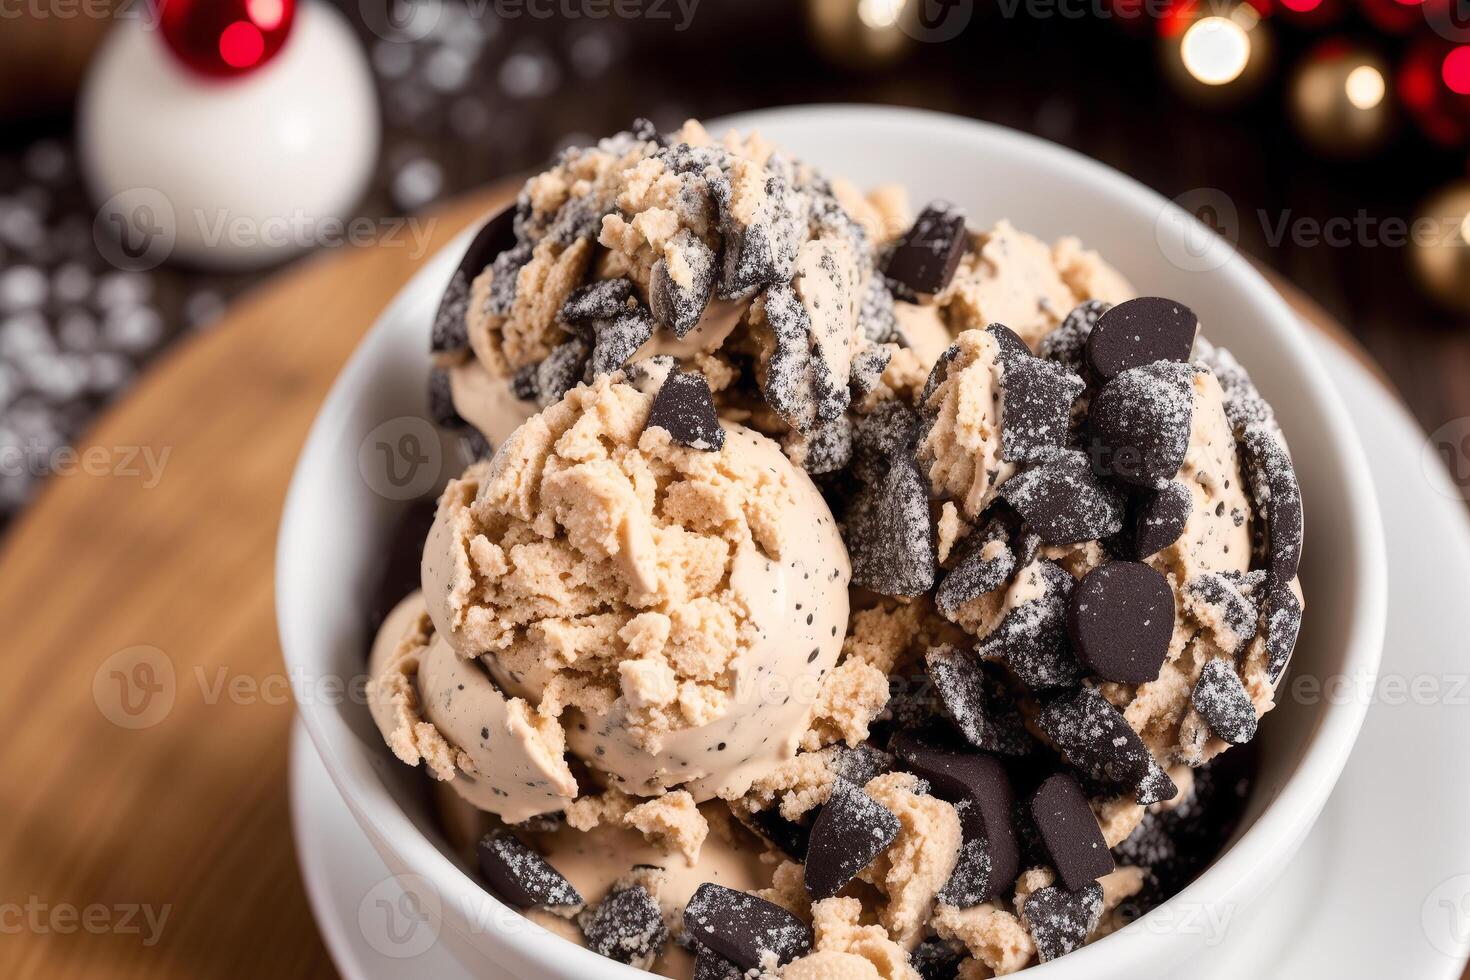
column 917, row 864
column 800, row 784
column 671, row 821
column 852, row 696
column 845, row 948
column 961, row 450
column 995, row 937
column 788, row 889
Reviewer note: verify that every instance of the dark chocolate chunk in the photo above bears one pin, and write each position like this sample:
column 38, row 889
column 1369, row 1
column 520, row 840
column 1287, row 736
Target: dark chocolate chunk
column 868, row 365
column 441, row 401
column 1031, row 639
column 600, row 300
column 627, row 926
column 829, row 448
column 1156, row 786
column 936, row 959
column 1011, row 344
column 876, row 318
column 1221, row 699
column 1095, row 739
column 679, row 306
column 977, row 701
column 1140, row 332
column 1060, row 920
column 504, row 276
column 523, row 382
column 925, row 259
column 1036, row 407
column 1070, row 831
column 645, row 131
column 1139, row 423
column 521, row 877
column 981, row 779
column 760, row 252
column 891, row 534
column 742, row 928
column 1278, row 497
column 709, row 965
column 1063, row 501
column 1283, row 619
column 686, row 409
column 799, row 384
column 861, row 763
column 880, row 437
column 1120, row 619
column 1067, row 344
column 616, row 340
column 1161, row 517
column 495, row 236
column 986, row 563
column 1227, row 601
column 563, row 369
column 969, row 883
column 768, row 824
column 852, row 830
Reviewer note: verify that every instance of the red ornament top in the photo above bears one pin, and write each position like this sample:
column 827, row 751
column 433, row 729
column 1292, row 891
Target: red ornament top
column 225, row 38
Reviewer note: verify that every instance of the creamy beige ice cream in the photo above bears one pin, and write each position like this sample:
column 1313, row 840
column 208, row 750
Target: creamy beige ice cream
column 851, row 593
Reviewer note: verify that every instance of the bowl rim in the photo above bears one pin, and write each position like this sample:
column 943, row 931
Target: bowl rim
column 1250, row 861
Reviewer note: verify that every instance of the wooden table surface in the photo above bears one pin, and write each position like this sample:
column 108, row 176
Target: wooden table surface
column 146, row 827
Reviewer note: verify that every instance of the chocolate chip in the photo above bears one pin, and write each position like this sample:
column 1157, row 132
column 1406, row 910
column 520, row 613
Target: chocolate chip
column 852, row 830
column 1121, row 619
column 1036, row 407
column 1140, row 423
column 1156, row 786
column 627, row 926
column 742, row 928
column 925, row 259
column 685, row 408
column 1063, row 500
column 1011, row 345
column 680, row 305
column 969, row 882
column 1031, row 639
column 936, row 959
column 600, row 300
column 985, row 564
column 521, row 877
column 1278, row 497
column 1067, row 344
column 977, row 701
column 1283, row 618
column 1070, row 831
column 1060, row 920
column 1221, row 699
column 1226, row 601
column 563, row 369
column 616, row 340
column 891, row 534
column 1095, row 739
column 1161, row 518
column 982, row 780
column 1140, row 332
column 441, row 401
column 450, row 331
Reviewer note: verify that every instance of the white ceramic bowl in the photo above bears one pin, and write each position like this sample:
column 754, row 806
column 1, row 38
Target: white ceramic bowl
column 336, row 524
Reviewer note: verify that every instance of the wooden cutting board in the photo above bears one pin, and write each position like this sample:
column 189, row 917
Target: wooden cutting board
column 145, row 828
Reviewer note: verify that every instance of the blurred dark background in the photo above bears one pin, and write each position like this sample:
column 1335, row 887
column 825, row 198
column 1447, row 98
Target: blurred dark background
column 478, row 96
